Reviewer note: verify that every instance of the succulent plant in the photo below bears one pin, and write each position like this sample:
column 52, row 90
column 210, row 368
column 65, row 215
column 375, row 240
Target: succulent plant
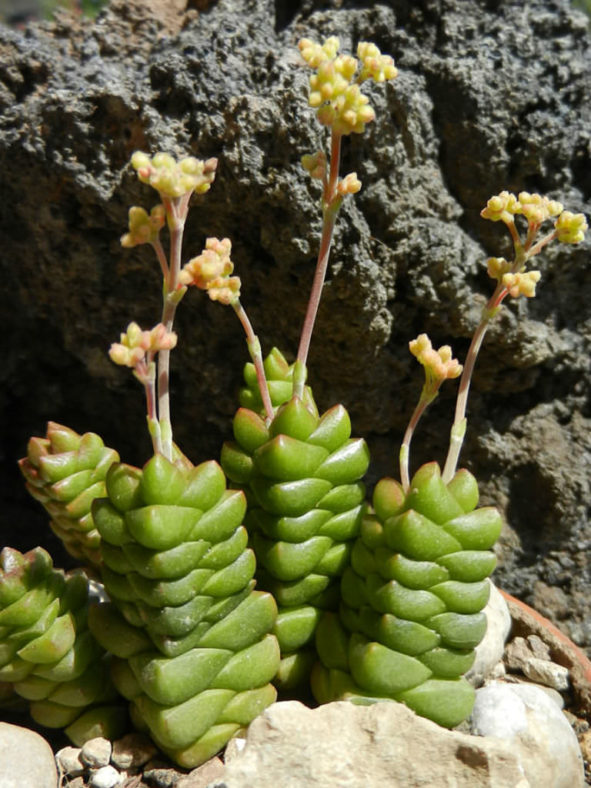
column 391, row 596
column 412, row 600
column 194, row 653
column 410, row 615
column 301, row 473
column 65, row 472
column 47, row 651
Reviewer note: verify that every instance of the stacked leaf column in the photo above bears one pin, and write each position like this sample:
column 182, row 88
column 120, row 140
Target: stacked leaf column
column 302, row 476
column 411, row 612
column 47, row 651
column 65, row 472
column 190, row 635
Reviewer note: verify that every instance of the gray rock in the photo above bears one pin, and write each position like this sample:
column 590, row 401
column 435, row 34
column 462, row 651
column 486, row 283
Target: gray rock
column 517, row 654
column 205, row 774
column 489, row 651
column 483, row 102
column 96, row 752
column 77, row 782
column 132, row 751
column 68, row 761
column 548, row 673
column 160, row 776
column 26, row 759
column 539, row 649
column 373, row 746
column 531, row 656
column 536, row 730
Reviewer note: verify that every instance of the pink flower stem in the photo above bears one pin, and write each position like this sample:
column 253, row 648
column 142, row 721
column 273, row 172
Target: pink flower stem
column 331, row 203
column 427, row 397
column 254, row 348
column 145, row 373
column 523, row 252
column 176, row 213
column 160, row 254
column 458, row 429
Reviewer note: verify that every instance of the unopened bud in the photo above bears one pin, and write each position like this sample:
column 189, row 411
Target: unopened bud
column 497, row 267
column 439, row 364
column 570, row 227
column 522, row 283
column 350, row 184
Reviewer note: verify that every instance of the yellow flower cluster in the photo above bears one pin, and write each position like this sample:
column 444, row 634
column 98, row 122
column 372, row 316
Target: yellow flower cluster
column 570, row 227
column 501, row 207
column 315, row 54
column 144, row 228
column 517, row 283
column 375, row 65
column 135, row 344
column 334, row 88
column 439, row 364
column 521, row 283
column 174, row 179
column 538, row 209
column 211, row 271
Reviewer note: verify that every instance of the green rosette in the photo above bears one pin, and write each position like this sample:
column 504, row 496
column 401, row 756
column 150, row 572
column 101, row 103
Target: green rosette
column 279, row 376
column 191, row 638
column 306, row 501
column 412, row 600
column 47, row 652
column 65, row 472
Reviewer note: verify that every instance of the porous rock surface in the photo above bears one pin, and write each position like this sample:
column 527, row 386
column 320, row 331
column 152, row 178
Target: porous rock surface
column 490, row 96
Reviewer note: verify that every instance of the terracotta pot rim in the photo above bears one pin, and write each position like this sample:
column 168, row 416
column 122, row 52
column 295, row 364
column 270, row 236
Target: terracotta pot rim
column 563, row 651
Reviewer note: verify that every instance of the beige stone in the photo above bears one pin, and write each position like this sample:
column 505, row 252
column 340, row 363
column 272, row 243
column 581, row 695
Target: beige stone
column 26, row 759
column 340, row 744
column 203, row 775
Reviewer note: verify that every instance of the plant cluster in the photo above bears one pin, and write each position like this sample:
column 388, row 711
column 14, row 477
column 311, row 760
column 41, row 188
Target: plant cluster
column 363, row 602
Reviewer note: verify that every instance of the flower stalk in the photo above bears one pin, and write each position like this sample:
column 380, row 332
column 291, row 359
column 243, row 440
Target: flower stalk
column 212, row 271
column 331, row 202
column 336, row 95
column 439, row 366
column 175, row 183
column 512, row 280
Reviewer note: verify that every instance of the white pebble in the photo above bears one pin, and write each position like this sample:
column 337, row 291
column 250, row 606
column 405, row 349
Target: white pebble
column 538, row 730
column 106, row 777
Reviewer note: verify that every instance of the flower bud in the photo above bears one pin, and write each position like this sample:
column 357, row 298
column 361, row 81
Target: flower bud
column 174, row 179
column 211, row 269
column 350, row 184
column 501, row 207
column 497, row 267
column 439, row 364
column 570, row 227
column 334, row 88
column 521, row 283
column 143, row 228
column 226, row 290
